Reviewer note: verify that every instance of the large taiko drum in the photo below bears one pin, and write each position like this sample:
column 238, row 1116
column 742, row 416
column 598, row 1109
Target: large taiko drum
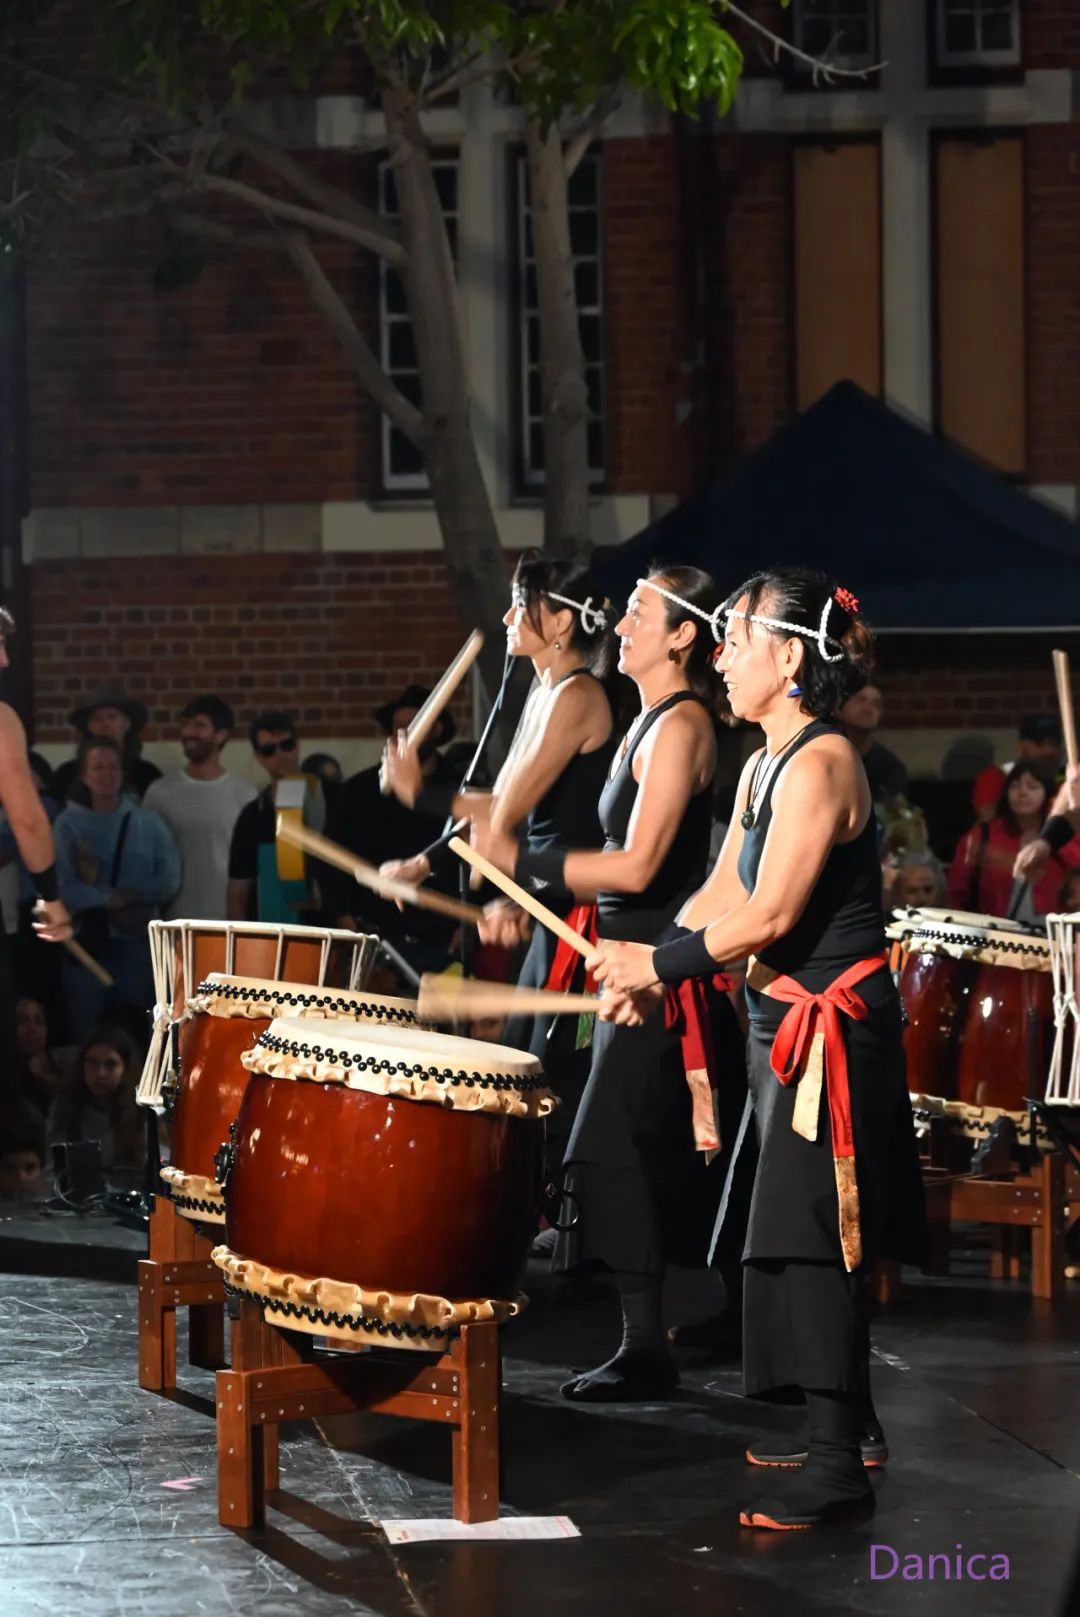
column 978, row 998
column 184, row 953
column 223, row 1019
column 383, row 1184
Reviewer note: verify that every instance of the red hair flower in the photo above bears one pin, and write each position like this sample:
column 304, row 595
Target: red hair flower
column 848, row 601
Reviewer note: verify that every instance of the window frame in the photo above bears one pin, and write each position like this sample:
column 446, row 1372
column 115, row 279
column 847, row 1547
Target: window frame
column 799, row 75
column 529, row 482
column 391, row 482
column 977, row 65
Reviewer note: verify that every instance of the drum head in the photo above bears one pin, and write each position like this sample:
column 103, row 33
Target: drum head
column 966, row 919
column 222, row 995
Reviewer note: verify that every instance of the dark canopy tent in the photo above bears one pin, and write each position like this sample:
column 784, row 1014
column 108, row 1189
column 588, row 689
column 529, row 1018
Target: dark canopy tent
column 925, row 536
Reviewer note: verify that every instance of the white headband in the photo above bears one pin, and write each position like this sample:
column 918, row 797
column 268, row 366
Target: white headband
column 713, row 620
column 592, row 617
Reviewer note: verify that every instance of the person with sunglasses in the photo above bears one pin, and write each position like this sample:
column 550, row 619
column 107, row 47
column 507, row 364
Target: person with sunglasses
column 256, row 892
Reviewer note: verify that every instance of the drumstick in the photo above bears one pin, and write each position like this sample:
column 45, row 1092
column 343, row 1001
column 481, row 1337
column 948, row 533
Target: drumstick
column 1065, row 702
column 89, row 962
column 440, row 696
column 447, row 998
column 538, row 911
column 331, row 853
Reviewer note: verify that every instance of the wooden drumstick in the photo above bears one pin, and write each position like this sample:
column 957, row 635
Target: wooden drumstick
column 87, row 960
column 429, row 714
column 1063, row 679
column 448, row 999
column 331, row 853
column 538, row 911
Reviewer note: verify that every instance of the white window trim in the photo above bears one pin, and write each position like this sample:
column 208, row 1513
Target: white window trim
column 847, row 60
column 976, row 58
column 401, row 482
column 532, row 478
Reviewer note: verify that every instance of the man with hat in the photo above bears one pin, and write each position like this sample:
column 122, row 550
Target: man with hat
column 110, row 712
column 378, row 828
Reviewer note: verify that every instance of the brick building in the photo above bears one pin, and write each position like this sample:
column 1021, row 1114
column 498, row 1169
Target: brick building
column 213, row 503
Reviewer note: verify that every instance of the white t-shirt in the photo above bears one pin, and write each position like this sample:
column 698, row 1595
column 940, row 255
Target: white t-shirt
column 201, row 815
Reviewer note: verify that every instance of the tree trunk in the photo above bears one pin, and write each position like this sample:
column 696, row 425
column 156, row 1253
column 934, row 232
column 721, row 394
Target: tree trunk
column 562, row 363
column 475, row 562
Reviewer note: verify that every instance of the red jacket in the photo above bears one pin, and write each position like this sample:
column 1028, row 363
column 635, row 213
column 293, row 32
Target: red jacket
column 989, row 888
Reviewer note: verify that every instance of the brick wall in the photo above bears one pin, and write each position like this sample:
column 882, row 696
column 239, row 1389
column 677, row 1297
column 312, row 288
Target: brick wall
column 229, row 390
column 746, row 227
column 330, row 637
column 1050, row 33
column 645, row 289
column 968, row 682
column 1053, row 301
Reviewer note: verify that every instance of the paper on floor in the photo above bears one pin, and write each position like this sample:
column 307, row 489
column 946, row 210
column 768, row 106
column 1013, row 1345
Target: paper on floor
column 507, row 1527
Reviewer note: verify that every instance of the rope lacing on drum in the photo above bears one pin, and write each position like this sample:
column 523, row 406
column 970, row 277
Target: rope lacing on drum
column 438, row 1075
column 342, row 1322
column 999, row 945
column 319, row 1002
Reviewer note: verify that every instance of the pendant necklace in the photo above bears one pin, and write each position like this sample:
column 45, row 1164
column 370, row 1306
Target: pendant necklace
column 748, row 819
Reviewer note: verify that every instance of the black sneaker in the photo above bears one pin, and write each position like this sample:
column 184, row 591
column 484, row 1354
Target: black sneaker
column 875, row 1452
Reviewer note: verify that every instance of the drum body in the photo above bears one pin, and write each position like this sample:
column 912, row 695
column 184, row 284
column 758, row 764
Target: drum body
column 384, row 1183
column 978, row 997
column 222, row 1021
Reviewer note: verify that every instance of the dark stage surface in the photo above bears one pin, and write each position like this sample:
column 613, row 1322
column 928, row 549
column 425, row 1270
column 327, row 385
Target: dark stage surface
column 977, row 1387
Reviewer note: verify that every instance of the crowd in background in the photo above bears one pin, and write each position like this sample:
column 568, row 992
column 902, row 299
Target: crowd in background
column 198, row 843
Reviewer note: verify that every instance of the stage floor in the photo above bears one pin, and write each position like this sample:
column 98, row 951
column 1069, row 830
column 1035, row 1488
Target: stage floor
column 108, row 1495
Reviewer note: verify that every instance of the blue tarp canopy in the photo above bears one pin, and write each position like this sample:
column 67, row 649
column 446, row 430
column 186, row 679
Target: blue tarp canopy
column 925, row 536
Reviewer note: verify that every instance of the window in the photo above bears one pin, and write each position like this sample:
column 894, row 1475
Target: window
column 840, row 32
column 402, row 463
column 584, row 208
column 977, row 33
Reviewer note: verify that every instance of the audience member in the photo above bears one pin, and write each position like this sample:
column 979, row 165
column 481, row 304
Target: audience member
column 981, row 875
column 256, row 891
column 41, row 1069
column 919, row 883
column 117, row 864
column 380, row 829
column 200, row 803
column 111, row 712
column 325, row 767
column 1039, row 743
column 98, row 1103
column 22, row 1154
column 860, row 719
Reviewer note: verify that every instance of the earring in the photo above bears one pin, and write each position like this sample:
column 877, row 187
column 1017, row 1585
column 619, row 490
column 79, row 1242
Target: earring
column 796, row 690
column 558, row 645
column 673, row 656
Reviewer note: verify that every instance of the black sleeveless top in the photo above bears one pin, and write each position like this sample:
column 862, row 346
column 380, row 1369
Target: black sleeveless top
column 844, row 919
column 640, row 917
column 566, row 816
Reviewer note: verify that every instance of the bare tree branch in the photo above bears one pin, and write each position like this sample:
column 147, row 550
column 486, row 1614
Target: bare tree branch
column 331, row 199
column 401, row 411
column 821, row 68
column 582, row 137
column 211, row 230
column 272, row 207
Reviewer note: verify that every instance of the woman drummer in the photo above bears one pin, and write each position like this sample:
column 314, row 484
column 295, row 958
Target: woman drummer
column 797, row 891
column 549, row 785
column 637, row 1169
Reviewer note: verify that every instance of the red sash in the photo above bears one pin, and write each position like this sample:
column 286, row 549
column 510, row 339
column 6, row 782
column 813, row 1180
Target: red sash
column 686, row 1012
column 561, row 976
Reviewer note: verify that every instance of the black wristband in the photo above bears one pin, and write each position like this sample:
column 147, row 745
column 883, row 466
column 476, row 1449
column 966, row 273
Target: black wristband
column 46, row 883
column 1057, row 832
column 540, row 869
column 684, row 957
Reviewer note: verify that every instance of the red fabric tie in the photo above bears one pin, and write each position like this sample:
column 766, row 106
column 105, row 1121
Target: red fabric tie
column 561, row 976
column 686, row 1012
column 795, row 1034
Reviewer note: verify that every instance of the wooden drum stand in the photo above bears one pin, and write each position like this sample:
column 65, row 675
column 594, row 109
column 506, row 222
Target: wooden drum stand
column 280, row 1374
column 178, row 1274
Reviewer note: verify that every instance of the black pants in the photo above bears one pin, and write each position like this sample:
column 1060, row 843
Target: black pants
column 804, row 1326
